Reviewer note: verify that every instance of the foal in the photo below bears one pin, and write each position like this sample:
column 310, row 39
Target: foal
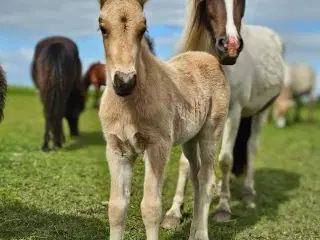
column 150, row 105
column 3, row 92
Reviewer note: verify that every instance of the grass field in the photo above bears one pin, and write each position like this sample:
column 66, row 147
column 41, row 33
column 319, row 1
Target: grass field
column 58, row 195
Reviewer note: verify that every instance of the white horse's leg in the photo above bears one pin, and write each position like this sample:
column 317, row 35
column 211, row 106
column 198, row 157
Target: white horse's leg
column 223, row 212
column 253, row 143
column 173, row 216
column 121, row 172
column 151, row 208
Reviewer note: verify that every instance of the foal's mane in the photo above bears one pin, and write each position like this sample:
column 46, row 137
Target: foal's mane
column 195, row 36
column 102, row 2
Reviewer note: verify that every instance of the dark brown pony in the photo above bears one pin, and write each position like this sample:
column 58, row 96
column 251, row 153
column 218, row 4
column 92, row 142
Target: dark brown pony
column 56, row 72
column 222, row 18
column 3, row 91
column 96, row 76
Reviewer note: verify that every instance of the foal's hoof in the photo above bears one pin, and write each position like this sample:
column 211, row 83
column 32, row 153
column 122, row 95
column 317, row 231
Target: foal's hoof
column 221, row 215
column 170, row 222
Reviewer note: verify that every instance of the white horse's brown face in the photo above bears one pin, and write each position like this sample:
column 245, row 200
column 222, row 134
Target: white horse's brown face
column 122, row 26
column 223, row 20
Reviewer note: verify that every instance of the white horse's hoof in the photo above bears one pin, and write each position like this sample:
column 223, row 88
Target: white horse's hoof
column 221, row 215
column 200, row 235
column 170, row 222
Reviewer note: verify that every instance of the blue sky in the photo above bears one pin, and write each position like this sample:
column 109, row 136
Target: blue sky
column 24, row 22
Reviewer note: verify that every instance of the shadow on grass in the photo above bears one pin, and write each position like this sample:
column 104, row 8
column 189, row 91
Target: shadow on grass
column 86, row 139
column 273, row 188
column 20, row 222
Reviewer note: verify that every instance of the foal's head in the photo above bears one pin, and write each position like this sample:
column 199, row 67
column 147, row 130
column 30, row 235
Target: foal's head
column 222, row 19
column 122, row 25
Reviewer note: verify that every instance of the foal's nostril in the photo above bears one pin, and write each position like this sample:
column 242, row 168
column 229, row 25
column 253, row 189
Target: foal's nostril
column 117, row 79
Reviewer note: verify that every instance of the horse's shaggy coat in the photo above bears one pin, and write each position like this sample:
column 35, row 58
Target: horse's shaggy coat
column 56, row 72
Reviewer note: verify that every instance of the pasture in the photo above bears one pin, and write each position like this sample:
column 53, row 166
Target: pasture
column 58, row 195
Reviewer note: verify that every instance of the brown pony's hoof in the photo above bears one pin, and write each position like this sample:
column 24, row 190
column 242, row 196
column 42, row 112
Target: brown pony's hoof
column 57, row 146
column 45, row 149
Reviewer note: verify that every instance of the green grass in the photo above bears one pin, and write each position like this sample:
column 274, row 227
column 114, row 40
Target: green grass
column 58, row 195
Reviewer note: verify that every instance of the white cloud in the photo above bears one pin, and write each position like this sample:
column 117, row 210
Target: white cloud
column 27, row 53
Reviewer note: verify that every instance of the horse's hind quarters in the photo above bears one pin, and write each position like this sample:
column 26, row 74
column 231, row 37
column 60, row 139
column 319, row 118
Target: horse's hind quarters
column 228, row 49
column 124, row 83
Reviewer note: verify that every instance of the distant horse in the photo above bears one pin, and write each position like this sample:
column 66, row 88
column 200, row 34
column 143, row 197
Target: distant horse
column 255, row 82
column 3, row 92
column 96, row 75
column 56, row 72
column 300, row 81
column 148, row 106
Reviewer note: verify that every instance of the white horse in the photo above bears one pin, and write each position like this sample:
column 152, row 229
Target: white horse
column 299, row 82
column 255, row 81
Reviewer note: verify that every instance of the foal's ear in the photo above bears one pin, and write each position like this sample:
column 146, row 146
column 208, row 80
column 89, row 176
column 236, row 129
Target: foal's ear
column 142, row 2
column 102, row 2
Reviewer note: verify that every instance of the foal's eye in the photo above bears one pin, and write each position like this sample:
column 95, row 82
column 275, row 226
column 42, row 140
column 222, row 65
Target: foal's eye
column 103, row 30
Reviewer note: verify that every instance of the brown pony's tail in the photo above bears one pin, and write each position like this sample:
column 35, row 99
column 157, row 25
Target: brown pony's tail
column 3, row 92
column 54, row 90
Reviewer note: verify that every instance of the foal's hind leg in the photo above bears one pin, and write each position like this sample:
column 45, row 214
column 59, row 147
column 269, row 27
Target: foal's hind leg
column 190, row 151
column 248, row 190
column 223, row 212
column 208, row 140
column 173, row 216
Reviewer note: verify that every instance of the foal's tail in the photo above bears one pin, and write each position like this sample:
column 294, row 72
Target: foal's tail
column 54, row 89
column 240, row 150
column 3, row 92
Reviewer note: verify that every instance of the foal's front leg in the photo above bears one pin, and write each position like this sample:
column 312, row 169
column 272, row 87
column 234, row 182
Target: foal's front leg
column 120, row 167
column 151, row 207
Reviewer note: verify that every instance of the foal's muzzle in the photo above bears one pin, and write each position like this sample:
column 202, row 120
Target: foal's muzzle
column 124, row 83
column 228, row 49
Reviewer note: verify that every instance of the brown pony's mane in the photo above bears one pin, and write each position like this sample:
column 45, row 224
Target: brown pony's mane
column 3, row 92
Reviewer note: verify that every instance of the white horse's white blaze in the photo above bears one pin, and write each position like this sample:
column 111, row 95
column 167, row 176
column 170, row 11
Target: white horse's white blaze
column 231, row 29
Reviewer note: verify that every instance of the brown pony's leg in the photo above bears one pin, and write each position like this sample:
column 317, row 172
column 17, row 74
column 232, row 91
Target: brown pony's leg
column 57, row 134
column 73, row 125
column 46, row 137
